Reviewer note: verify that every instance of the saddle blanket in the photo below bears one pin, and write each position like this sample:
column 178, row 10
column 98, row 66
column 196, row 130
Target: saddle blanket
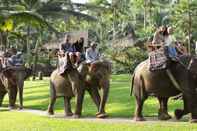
column 157, row 60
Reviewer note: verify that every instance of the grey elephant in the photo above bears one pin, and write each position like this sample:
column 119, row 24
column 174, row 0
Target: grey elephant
column 74, row 82
column 159, row 84
column 97, row 76
column 66, row 82
column 12, row 81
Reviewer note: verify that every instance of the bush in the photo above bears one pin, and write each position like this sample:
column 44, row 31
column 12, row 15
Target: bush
column 127, row 59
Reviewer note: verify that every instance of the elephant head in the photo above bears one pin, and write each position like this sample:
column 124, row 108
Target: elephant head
column 96, row 76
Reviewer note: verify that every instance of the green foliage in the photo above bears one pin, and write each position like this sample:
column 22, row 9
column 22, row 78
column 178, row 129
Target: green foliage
column 127, row 59
column 105, row 20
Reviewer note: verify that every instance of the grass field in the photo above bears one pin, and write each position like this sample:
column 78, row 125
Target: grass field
column 120, row 104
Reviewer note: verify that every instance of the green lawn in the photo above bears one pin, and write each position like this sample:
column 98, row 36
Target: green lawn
column 120, row 104
column 11, row 121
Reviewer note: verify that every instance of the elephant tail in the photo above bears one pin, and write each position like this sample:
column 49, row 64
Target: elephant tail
column 132, row 83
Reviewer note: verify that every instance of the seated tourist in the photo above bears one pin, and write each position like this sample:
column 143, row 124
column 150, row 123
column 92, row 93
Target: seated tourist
column 92, row 53
column 15, row 59
column 69, row 47
column 169, row 42
column 158, row 38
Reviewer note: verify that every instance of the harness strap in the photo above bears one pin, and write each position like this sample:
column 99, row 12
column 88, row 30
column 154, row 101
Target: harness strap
column 173, row 80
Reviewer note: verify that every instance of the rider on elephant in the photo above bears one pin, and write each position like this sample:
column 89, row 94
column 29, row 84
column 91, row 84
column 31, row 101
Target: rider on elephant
column 69, row 47
column 16, row 59
column 92, row 55
column 163, row 38
column 169, row 42
column 158, row 38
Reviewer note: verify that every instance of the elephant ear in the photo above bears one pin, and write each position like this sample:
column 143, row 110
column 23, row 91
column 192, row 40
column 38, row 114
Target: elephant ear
column 8, row 72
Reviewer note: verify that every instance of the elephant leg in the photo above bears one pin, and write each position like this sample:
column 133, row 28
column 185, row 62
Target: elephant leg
column 67, row 107
column 163, row 110
column 12, row 93
column 105, row 89
column 20, row 87
column 51, row 106
column 2, row 94
column 79, row 88
column 138, row 110
column 52, row 100
column 94, row 93
column 79, row 103
column 179, row 113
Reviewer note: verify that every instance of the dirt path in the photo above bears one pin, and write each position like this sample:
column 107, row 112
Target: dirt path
column 149, row 120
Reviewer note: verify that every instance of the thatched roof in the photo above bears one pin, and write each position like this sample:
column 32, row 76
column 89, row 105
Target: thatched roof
column 75, row 35
column 124, row 42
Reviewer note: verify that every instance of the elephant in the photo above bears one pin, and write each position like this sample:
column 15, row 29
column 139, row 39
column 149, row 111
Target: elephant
column 97, row 76
column 67, row 85
column 159, row 84
column 12, row 81
column 66, row 82
column 73, row 82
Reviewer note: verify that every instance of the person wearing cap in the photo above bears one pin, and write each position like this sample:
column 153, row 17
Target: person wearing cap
column 92, row 53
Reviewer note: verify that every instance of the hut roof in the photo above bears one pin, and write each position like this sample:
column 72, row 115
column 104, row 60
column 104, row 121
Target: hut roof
column 124, row 42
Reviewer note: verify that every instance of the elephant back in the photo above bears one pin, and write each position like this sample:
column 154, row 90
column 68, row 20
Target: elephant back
column 61, row 84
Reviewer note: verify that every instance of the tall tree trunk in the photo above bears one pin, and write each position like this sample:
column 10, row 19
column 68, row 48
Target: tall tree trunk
column 35, row 59
column 189, row 28
column 28, row 46
column 145, row 14
column 114, row 23
column 150, row 11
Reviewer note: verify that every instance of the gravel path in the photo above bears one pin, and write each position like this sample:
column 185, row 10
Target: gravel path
column 106, row 120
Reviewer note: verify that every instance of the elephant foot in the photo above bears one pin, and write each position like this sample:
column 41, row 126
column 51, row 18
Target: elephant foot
column 50, row 112
column 178, row 113
column 101, row 115
column 11, row 107
column 68, row 114
column 20, row 107
column 137, row 118
column 98, row 113
column 76, row 116
column 164, row 116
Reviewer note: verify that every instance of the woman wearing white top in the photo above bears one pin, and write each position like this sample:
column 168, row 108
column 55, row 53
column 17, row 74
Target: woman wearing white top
column 169, row 42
